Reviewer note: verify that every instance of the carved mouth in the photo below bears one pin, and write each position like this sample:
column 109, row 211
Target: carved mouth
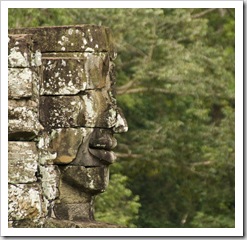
column 96, row 149
column 100, row 146
column 103, row 155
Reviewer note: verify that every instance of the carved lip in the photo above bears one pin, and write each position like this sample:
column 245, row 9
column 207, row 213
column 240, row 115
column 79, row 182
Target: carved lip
column 103, row 155
column 100, row 145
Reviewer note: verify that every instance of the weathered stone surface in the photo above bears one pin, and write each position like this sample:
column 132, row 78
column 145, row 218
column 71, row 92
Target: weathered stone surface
column 62, row 76
column 23, row 83
column 45, row 155
column 121, row 124
column 64, row 111
column 77, row 38
column 28, row 223
column 64, row 101
column 65, row 142
column 93, row 180
column 96, row 149
column 20, row 51
column 23, row 120
column 103, row 139
column 24, row 202
column 36, row 78
column 71, row 194
column 55, row 223
column 77, row 146
column 96, row 69
column 20, row 47
column 73, row 211
column 71, row 73
column 50, row 181
column 19, row 83
column 92, row 109
column 23, row 162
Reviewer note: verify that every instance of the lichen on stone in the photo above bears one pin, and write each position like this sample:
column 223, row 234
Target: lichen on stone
column 19, row 83
column 50, row 181
column 23, row 162
column 24, row 202
column 17, row 59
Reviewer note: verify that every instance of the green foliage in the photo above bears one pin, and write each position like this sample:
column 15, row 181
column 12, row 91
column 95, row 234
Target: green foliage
column 208, row 221
column 175, row 71
column 118, row 205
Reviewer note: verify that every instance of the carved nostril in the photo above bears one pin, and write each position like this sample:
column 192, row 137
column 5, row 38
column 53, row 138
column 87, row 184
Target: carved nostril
column 102, row 138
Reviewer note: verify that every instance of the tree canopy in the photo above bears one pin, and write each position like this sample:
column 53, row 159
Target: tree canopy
column 175, row 78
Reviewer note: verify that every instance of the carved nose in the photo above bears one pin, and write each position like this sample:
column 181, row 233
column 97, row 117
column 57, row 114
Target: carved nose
column 102, row 138
column 121, row 123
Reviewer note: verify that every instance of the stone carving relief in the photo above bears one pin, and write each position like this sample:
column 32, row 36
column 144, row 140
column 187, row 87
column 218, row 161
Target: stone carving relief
column 62, row 117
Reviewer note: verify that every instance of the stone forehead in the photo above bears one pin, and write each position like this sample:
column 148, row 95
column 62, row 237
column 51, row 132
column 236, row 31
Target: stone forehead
column 71, row 73
column 77, row 38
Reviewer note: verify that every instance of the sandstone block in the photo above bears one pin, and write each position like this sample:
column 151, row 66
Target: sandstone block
column 28, row 223
column 72, row 194
column 58, row 223
column 62, row 111
column 46, row 157
column 23, row 122
column 92, row 109
column 82, row 38
column 23, row 161
column 71, row 73
column 19, row 50
column 24, row 202
column 55, row 223
column 65, row 142
column 50, row 181
column 73, row 211
column 19, row 83
column 92, row 180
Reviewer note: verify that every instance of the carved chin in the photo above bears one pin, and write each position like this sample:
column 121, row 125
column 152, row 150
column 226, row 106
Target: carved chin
column 108, row 157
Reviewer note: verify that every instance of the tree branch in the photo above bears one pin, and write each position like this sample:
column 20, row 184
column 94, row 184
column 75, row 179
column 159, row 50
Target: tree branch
column 125, row 87
column 201, row 163
column 128, row 155
column 141, row 89
column 200, row 14
column 132, row 48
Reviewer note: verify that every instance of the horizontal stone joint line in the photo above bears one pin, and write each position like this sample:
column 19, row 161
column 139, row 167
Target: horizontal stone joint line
column 78, row 127
column 26, row 140
column 64, row 52
column 80, row 93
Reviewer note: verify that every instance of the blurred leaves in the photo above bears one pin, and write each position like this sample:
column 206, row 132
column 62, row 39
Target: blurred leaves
column 118, row 205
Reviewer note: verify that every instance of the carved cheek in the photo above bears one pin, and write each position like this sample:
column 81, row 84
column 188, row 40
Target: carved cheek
column 99, row 112
column 91, row 109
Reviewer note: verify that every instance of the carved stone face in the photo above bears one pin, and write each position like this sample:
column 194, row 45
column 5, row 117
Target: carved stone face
column 69, row 103
column 81, row 115
column 63, row 109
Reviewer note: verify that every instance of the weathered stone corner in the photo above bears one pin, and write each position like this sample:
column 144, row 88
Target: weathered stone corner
column 76, row 38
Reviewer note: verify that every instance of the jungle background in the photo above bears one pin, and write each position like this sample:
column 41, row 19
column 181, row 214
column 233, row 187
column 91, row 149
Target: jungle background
column 175, row 78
